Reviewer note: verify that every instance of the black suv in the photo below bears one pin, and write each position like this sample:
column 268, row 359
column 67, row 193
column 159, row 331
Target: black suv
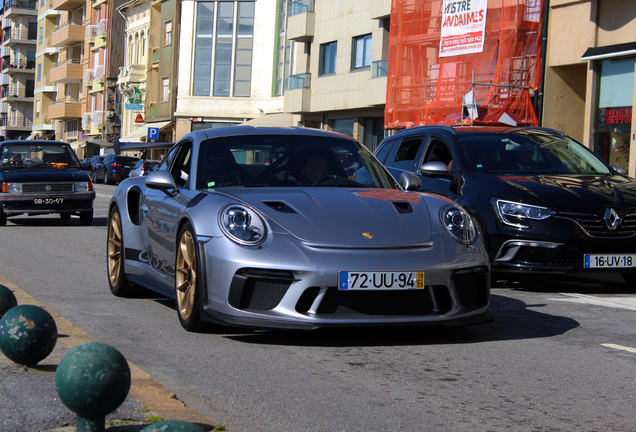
column 115, row 168
column 40, row 177
column 547, row 206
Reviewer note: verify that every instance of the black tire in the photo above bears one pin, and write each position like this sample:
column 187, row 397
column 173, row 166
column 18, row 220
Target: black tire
column 3, row 218
column 86, row 217
column 188, row 281
column 117, row 279
column 65, row 216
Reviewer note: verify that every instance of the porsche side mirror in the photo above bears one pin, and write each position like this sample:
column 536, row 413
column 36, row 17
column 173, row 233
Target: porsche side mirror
column 163, row 181
column 410, row 181
column 619, row 169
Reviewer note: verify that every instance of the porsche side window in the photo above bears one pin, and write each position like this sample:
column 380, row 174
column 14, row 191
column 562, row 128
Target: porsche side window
column 181, row 167
column 165, row 164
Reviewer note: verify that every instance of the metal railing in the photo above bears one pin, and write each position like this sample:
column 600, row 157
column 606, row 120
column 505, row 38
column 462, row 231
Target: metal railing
column 22, row 4
column 22, row 35
column 300, row 6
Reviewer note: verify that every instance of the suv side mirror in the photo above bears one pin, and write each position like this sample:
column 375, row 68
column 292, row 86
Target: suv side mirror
column 619, row 169
column 434, row 168
column 163, row 181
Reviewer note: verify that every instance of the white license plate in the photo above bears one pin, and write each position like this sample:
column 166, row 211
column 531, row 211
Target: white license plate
column 353, row 280
column 48, row 201
column 610, row 260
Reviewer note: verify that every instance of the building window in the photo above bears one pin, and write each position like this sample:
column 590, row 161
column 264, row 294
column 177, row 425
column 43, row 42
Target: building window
column 166, row 90
column 73, row 128
column 343, row 126
column 327, row 59
column 39, row 72
column 224, row 33
column 361, row 52
column 167, row 33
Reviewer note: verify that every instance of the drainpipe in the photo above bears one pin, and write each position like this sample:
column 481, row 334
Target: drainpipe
column 544, row 55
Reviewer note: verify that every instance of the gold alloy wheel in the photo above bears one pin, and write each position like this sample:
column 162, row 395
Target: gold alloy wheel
column 114, row 248
column 186, row 277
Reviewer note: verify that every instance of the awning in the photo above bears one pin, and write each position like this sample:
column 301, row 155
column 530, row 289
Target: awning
column 99, row 142
column 274, row 120
column 142, row 131
column 609, row 51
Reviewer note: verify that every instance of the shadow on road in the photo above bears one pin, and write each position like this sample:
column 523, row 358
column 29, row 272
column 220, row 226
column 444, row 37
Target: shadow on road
column 513, row 321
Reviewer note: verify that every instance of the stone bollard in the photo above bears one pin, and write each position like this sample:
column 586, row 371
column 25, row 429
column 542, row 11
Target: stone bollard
column 172, row 426
column 92, row 380
column 7, row 300
column 27, row 334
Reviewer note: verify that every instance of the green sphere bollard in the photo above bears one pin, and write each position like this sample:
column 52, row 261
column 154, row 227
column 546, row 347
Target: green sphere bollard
column 27, row 334
column 172, row 426
column 7, row 300
column 92, row 380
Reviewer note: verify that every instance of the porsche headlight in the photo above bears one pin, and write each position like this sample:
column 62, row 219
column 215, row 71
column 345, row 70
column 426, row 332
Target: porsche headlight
column 242, row 225
column 517, row 214
column 82, row 186
column 459, row 224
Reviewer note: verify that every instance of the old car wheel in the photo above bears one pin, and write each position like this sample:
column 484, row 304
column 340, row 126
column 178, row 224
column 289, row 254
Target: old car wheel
column 117, row 280
column 187, row 283
column 86, row 217
column 65, row 216
column 3, row 218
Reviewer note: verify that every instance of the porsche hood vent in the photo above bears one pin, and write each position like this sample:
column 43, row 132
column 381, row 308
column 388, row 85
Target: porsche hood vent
column 280, row 206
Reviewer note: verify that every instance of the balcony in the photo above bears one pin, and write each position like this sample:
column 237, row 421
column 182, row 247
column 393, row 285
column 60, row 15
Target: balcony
column 23, row 66
column 17, row 8
column 379, row 68
column 89, row 77
column 133, row 74
column 67, row 34
column 67, row 5
column 23, row 37
column 68, row 71
column 299, row 81
column 16, row 93
column 301, row 27
column 65, row 108
column 97, row 3
column 16, row 123
column 97, row 122
column 380, row 9
column 91, row 33
column 297, row 101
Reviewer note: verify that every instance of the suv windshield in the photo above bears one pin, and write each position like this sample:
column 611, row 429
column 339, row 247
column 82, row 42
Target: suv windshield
column 528, row 152
column 27, row 155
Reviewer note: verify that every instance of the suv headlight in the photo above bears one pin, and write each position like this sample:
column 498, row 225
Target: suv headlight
column 242, row 225
column 517, row 214
column 459, row 224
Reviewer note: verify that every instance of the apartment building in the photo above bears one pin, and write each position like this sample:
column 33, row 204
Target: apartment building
column 334, row 65
column 226, row 70
column 77, row 66
column 589, row 76
column 17, row 79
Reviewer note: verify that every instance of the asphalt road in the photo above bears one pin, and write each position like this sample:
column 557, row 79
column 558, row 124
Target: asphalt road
column 555, row 359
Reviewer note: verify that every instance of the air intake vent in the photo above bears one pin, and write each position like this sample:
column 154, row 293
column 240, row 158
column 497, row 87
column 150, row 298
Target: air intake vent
column 280, row 206
column 403, row 206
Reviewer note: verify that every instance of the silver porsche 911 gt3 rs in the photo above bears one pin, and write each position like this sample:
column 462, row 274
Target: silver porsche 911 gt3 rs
column 293, row 228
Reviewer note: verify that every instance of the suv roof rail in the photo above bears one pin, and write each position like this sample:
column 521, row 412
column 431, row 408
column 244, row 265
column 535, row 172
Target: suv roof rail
column 427, row 127
column 545, row 129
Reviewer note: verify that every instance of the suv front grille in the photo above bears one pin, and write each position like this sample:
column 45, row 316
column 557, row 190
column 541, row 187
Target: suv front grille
column 594, row 224
column 48, row 187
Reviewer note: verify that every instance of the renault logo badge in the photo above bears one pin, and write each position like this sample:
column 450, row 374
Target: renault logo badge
column 612, row 219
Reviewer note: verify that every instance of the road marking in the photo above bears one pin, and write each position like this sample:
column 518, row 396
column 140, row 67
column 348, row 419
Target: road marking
column 620, row 347
column 613, row 302
column 103, row 195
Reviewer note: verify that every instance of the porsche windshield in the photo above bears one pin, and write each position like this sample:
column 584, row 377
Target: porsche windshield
column 288, row 161
column 528, row 153
column 27, row 155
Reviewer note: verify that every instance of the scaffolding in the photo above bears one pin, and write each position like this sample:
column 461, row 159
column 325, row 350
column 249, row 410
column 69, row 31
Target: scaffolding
column 496, row 86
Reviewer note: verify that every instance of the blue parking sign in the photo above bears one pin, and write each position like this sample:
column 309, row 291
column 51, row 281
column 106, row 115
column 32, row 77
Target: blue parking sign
column 153, row 133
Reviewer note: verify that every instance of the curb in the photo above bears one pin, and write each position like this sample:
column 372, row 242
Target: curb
column 143, row 388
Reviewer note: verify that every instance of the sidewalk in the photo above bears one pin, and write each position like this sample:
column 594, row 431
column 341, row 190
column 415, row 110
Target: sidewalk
column 30, row 402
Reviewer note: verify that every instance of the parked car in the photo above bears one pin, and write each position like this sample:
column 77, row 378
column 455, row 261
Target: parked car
column 547, row 206
column 265, row 227
column 96, row 163
column 144, row 167
column 115, row 168
column 41, row 177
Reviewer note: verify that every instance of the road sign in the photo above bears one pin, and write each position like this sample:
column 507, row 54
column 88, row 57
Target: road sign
column 153, row 133
column 139, row 119
column 134, row 107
